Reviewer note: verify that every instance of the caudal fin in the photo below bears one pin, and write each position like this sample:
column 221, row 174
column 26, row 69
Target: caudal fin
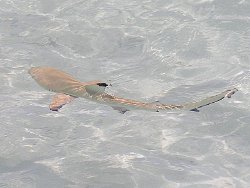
column 195, row 105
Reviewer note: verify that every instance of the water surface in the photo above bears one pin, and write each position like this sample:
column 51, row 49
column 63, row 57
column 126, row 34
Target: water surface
column 168, row 50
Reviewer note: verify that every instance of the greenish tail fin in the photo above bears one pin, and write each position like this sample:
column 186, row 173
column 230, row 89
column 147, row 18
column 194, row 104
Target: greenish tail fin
column 195, row 105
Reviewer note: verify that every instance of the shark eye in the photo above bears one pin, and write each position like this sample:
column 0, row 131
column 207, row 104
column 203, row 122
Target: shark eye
column 102, row 84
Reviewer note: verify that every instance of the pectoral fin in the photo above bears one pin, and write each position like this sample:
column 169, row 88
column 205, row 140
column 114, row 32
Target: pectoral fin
column 121, row 110
column 59, row 100
column 96, row 89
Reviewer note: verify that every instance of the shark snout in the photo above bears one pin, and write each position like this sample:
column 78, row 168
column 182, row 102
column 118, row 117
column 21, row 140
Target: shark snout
column 33, row 71
column 38, row 72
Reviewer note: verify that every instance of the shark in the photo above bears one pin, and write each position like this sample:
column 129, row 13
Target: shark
column 67, row 88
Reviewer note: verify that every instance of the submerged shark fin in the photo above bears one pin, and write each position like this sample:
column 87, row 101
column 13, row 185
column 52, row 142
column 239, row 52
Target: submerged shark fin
column 59, row 100
column 195, row 105
column 93, row 82
column 96, row 89
column 121, row 110
column 156, row 102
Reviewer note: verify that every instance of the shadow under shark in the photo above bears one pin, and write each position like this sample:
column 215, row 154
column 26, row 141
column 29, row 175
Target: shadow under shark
column 68, row 88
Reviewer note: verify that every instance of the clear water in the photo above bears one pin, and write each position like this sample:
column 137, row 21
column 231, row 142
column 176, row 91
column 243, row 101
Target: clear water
column 167, row 50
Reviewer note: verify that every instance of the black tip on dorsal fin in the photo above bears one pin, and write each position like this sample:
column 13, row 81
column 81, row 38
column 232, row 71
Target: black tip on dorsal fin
column 102, row 84
column 195, row 110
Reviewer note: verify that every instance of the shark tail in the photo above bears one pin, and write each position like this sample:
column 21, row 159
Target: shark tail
column 193, row 106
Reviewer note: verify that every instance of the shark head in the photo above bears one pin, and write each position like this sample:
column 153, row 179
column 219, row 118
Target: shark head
column 55, row 80
column 61, row 82
column 35, row 72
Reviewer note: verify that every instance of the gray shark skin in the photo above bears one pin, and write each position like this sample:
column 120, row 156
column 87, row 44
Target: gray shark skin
column 68, row 88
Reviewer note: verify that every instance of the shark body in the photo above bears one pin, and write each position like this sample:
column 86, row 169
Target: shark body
column 68, row 88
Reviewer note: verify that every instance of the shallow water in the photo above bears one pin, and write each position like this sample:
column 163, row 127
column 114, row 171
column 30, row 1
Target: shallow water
column 172, row 51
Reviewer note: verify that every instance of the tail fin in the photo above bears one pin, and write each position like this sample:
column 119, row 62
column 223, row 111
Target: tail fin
column 195, row 105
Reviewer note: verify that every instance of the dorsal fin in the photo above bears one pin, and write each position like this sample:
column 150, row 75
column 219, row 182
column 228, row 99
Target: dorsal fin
column 96, row 89
column 156, row 102
column 59, row 100
column 92, row 82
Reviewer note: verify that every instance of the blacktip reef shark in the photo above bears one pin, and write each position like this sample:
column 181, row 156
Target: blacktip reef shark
column 68, row 88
